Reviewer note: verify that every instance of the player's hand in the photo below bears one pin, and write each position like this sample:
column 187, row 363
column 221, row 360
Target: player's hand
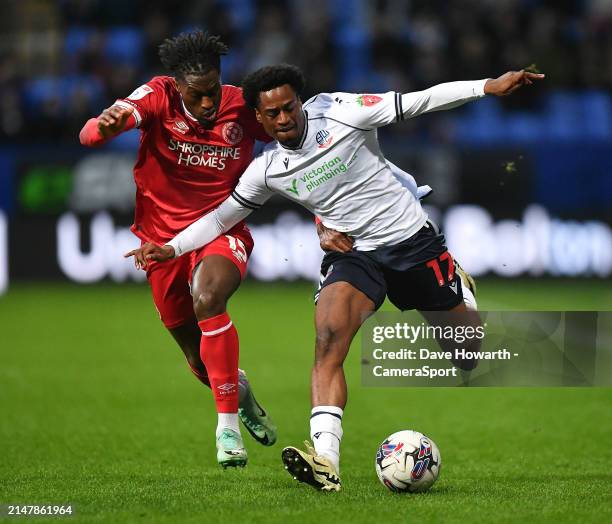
column 148, row 252
column 113, row 120
column 510, row 82
column 332, row 240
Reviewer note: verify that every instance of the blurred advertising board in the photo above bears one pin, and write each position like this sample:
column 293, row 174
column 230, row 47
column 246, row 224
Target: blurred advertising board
column 66, row 215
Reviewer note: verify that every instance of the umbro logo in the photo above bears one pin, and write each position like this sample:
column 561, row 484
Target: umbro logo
column 226, row 388
column 180, row 126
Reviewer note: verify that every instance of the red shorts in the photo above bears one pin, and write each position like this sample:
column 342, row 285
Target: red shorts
column 171, row 281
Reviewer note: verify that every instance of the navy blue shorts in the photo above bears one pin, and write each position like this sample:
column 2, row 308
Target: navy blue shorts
column 419, row 273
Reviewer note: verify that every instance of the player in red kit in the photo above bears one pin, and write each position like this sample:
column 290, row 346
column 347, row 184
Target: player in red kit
column 197, row 138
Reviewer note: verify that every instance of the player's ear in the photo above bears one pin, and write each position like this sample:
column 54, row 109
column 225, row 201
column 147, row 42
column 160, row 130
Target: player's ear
column 258, row 115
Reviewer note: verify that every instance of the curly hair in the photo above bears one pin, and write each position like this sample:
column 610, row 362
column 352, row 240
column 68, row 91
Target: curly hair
column 193, row 53
column 270, row 77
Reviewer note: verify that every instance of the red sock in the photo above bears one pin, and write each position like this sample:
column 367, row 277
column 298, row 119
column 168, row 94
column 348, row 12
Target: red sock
column 219, row 352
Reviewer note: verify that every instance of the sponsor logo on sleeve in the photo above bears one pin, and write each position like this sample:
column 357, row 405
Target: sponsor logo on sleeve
column 232, row 133
column 141, row 92
column 368, row 100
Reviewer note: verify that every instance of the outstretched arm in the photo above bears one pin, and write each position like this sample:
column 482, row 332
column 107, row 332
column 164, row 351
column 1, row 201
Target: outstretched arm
column 209, row 227
column 376, row 110
column 197, row 235
column 250, row 194
column 454, row 94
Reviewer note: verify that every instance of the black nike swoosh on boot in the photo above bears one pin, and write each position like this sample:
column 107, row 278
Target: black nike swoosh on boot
column 332, row 479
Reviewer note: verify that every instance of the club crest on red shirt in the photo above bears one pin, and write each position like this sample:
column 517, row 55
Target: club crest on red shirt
column 232, row 133
column 368, row 100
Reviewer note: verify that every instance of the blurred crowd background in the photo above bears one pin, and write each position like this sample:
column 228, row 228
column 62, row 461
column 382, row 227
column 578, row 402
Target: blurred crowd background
column 539, row 159
column 63, row 61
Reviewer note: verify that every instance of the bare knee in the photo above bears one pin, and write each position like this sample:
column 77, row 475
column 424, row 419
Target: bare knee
column 209, row 303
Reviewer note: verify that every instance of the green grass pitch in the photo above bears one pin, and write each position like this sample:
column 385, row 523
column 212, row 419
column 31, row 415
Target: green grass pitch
column 99, row 410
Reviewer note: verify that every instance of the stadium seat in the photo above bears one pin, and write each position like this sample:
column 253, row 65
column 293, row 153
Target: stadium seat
column 597, row 116
column 77, row 39
column 124, row 45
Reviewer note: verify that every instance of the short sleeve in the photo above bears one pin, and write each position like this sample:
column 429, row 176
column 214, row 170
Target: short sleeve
column 366, row 111
column 145, row 100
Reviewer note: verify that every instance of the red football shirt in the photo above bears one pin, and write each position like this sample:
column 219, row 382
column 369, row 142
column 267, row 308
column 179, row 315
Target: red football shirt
column 184, row 170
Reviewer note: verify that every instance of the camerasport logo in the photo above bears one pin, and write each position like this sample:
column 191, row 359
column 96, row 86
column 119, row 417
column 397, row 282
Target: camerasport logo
column 232, row 133
column 324, row 138
column 368, row 100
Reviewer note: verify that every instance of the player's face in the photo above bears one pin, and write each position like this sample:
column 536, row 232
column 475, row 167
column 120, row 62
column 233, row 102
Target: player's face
column 201, row 95
column 280, row 113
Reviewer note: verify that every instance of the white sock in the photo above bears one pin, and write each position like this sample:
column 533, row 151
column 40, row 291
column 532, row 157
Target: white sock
column 326, row 432
column 229, row 421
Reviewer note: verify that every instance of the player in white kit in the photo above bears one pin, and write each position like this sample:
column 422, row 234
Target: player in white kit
column 327, row 158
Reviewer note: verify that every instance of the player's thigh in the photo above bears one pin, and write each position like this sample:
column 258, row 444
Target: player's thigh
column 340, row 311
column 215, row 278
column 169, row 282
column 461, row 320
column 221, row 265
column 430, row 286
column 352, row 288
column 358, row 270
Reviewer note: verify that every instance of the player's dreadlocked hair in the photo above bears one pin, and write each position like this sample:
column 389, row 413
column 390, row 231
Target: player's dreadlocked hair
column 270, row 77
column 194, row 53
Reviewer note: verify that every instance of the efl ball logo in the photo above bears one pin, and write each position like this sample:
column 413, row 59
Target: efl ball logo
column 232, row 133
column 368, row 100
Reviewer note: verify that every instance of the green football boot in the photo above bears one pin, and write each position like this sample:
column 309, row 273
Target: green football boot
column 255, row 419
column 230, row 449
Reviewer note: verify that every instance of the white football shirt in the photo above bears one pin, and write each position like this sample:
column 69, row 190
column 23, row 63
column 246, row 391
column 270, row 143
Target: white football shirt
column 337, row 171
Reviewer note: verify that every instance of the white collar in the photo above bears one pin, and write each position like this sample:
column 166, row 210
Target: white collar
column 189, row 115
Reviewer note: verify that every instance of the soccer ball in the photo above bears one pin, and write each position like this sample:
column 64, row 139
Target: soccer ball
column 408, row 461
